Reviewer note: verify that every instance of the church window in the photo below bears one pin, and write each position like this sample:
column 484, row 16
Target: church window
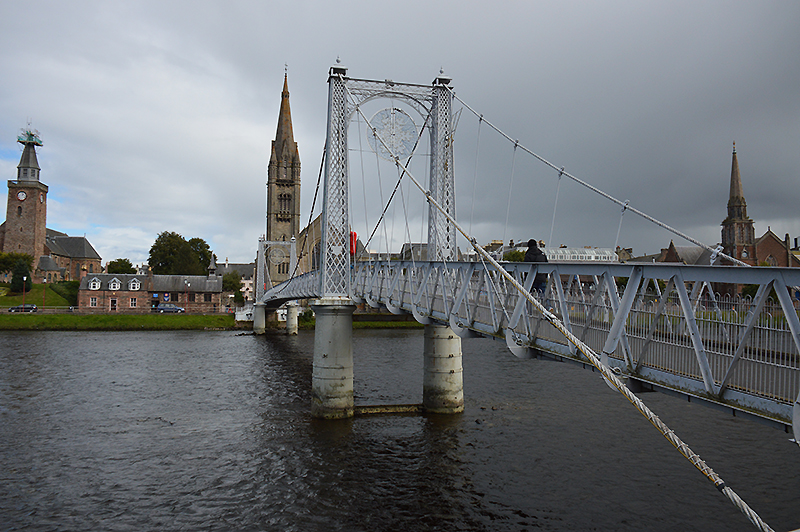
column 19, row 210
column 114, row 284
column 134, row 284
column 772, row 261
column 94, row 284
column 91, row 268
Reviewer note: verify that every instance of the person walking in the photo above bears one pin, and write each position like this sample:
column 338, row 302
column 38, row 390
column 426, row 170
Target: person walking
column 534, row 254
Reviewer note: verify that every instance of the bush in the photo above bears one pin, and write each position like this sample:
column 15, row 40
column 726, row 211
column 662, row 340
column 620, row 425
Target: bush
column 68, row 290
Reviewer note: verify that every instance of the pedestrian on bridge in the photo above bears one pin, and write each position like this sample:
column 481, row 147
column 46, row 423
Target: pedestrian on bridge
column 534, row 254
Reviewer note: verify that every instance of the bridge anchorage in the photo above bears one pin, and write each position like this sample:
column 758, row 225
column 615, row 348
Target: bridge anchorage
column 642, row 326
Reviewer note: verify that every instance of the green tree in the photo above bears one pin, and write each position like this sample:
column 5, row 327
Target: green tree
column 21, row 277
column 514, row 255
column 171, row 254
column 202, row 254
column 120, row 266
column 9, row 260
column 232, row 282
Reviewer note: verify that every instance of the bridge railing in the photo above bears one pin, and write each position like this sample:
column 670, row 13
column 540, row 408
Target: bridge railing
column 661, row 325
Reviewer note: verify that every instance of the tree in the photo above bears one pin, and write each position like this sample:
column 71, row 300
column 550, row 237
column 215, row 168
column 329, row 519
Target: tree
column 171, row 254
column 120, row 266
column 9, row 260
column 232, row 282
column 21, row 277
column 514, row 255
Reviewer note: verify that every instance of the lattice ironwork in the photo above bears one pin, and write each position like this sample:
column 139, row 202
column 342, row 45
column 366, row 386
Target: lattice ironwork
column 441, row 233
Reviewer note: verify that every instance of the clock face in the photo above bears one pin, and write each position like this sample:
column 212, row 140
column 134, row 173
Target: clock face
column 21, row 195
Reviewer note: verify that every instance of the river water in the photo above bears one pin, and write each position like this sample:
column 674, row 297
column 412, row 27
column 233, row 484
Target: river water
column 211, row 431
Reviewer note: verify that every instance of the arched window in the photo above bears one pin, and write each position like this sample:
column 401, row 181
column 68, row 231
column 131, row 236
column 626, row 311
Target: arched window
column 94, row 284
column 134, row 284
column 19, row 210
column 772, row 261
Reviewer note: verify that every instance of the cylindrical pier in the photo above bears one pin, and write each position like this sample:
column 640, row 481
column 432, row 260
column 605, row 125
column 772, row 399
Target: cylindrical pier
column 332, row 378
column 443, row 381
column 292, row 310
column 259, row 318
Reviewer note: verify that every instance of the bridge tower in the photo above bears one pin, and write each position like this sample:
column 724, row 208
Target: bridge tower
column 332, row 381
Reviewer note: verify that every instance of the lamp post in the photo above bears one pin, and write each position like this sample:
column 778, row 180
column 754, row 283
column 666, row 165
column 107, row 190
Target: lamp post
column 44, row 291
column 24, row 283
column 188, row 284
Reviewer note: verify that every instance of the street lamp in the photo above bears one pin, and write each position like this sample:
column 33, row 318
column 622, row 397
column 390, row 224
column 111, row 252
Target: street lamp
column 24, row 283
column 188, row 284
column 44, row 291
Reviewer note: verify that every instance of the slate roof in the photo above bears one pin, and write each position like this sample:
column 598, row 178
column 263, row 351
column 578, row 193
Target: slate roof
column 161, row 283
column 76, row 247
column 47, row 264
column 245, row 270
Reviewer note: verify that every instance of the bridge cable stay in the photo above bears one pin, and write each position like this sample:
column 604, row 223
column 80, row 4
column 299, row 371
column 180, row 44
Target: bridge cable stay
column 555, row 206
column 510, row 191
column 619, row 227
column 363, row 174
column 600, row 192
column 592, row 357
column 475, row 176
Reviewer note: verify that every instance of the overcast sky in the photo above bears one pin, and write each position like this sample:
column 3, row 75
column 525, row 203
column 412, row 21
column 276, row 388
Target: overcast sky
column 158, row 116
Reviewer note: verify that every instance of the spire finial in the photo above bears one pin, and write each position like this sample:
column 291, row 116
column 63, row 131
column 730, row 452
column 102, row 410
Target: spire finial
column 285, row 69
column 734, row 146
column 338, row 61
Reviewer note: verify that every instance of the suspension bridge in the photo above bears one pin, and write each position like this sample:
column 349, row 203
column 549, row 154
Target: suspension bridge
column 642, row 326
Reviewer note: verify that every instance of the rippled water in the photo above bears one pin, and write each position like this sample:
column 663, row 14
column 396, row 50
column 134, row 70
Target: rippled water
column 211, row 431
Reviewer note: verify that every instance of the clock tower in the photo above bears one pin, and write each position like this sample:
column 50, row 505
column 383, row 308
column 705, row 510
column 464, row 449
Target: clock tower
column 26, row 210
column 283, row 193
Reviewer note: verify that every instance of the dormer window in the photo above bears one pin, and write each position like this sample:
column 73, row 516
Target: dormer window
column 114, row 284
column 94, row 284
column 134, row 284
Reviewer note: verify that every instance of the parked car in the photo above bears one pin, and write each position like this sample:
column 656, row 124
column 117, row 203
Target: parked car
column 168, row 308
column 27, row 307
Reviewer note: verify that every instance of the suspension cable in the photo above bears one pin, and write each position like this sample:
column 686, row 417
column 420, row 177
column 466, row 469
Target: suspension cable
column 598, row 191
column 555, row 206
column 475, row 176
column 510, row 191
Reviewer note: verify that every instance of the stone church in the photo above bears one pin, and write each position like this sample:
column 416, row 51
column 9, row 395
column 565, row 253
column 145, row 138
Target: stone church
column 56, row 256
column 283, row 193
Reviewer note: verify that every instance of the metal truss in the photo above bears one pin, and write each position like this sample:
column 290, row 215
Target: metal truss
column 345, row 96
column 742, row 354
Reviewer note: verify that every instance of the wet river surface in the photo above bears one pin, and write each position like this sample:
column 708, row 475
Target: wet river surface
column 211, row 431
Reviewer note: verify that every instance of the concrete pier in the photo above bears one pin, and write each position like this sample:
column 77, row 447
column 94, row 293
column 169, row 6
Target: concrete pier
column 259, row 318
column 332, row 378
column 443, row 380
column 292, row 310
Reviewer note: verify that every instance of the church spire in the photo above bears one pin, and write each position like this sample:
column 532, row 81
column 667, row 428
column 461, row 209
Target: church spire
column 284, row 136
column 736, row 179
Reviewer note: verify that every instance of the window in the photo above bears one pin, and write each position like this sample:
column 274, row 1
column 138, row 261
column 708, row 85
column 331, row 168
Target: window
column 207, row 298
column 92, row 301
column 114, row 284
column 134, row 284
column 133, row 302
column 94, row 284
column 19, row 210
column 91, row 268
column 191, row 297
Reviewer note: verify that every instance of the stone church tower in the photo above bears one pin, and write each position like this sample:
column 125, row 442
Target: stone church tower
column 283, row 192
column 738, row 233
column 26, row 211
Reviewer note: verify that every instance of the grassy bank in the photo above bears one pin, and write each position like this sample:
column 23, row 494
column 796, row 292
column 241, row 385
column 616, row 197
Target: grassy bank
column 114, row 322
column 40, row 295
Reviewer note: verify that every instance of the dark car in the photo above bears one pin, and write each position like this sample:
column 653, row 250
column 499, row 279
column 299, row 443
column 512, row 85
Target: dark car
column 168, row 308
column 27, row 307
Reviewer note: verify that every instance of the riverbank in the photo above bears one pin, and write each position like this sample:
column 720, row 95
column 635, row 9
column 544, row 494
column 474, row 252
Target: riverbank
column 114, row 322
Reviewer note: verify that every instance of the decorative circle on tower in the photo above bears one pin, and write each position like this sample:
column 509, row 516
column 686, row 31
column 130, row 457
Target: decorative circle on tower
column 21, row 195
column 277, row 255
column 397, row 130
